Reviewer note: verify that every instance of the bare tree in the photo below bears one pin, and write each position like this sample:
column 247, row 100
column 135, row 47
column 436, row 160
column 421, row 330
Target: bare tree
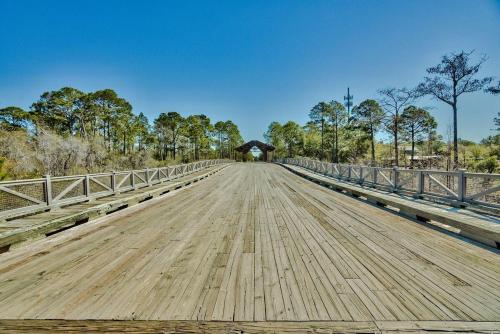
column 394, row 100
column 454, row 76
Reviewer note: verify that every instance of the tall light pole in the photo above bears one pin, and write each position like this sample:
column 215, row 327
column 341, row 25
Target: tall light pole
column 348, row 104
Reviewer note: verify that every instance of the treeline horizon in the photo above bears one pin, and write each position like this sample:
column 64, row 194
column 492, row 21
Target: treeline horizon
column 336, row 135
column 70, row 131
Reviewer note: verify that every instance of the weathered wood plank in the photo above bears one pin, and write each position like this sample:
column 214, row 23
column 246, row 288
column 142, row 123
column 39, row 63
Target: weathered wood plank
column 179, row 326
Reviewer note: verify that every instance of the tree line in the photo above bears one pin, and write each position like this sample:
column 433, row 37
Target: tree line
column 337, row 135
column 98, row 130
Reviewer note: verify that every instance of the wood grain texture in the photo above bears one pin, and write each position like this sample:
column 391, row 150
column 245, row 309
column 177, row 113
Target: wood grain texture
column 253, row 243
column 243, row 327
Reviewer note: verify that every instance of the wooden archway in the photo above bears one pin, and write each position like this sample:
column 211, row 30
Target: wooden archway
column 245, row 148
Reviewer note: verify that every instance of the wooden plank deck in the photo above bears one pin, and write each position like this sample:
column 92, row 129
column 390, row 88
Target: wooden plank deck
column 254, row 243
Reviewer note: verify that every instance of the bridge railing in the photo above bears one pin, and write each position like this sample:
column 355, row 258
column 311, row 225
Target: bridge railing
column 457, row 187
column 19, row 196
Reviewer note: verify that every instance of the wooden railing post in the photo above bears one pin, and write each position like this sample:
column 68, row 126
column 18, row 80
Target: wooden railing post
column 48, row 190
column 147, row 176
column 113, row 181
column 374, row 177
column 87, row 185
column 461, row 185
column 132, row 181
column 395, row 178
column 420, row 182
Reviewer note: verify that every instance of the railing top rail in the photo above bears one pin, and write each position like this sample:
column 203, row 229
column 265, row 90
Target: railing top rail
column 69, row 177
column 485, row 175
column 23, row 181
column 17, row 196
column 119, row 172
column 437, row 171
column 455, row 187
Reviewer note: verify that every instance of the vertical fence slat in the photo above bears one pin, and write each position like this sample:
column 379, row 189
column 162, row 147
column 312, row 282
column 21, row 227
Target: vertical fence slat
column 87, row 186
column 48, row 190
column 395, row 178
column 461, row 185
column 113, row 182
column 420, row 182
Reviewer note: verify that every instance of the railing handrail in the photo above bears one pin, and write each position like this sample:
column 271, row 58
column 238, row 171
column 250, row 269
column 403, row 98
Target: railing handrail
column 41, row 179
column 454, row 188
column 51, row 191
column 380, row 167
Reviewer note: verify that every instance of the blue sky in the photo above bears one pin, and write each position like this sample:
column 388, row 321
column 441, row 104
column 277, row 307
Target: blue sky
column 249, row 61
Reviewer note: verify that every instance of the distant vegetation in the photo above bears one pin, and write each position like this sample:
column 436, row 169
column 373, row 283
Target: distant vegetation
column 333, row 134
column 69, row 131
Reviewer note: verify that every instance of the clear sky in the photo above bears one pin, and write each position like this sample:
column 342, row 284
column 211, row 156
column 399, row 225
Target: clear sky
column 249, row 61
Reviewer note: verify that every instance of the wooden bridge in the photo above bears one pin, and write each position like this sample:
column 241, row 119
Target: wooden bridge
column 255, row 247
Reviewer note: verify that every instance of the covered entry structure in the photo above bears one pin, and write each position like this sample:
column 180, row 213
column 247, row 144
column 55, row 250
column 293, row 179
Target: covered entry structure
column 245, row 148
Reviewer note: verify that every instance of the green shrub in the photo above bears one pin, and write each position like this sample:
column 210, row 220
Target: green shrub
column 488, row 165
